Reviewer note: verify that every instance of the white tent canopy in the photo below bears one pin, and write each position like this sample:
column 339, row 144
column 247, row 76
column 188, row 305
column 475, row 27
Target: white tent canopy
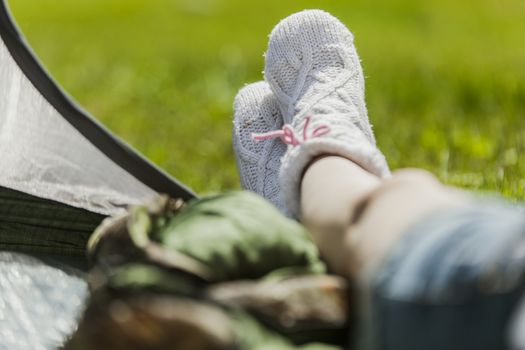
column 45, row 156
column 52, row 149
column 61, row 172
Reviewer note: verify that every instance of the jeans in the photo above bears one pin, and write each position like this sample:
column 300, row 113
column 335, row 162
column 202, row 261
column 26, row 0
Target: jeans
column 453, row 282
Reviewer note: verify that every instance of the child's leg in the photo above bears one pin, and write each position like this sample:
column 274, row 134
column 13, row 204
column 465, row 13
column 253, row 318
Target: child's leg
column 326, row 212
column 355, row 218
column 434, row 269
column 452, row 272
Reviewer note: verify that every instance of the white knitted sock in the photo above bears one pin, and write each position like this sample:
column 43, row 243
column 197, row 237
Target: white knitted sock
column 314, row 71
column 256, row 111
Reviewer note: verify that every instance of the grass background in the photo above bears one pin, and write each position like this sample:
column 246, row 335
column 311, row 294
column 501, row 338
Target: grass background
column 445, row 78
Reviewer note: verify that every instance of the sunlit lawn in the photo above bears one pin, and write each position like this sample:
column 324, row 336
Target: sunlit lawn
column 445, row 79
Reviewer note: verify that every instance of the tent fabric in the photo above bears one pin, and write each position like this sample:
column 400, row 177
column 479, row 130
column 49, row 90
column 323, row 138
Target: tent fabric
column 39, row 303
column 53, row 149
column 62, row 172
column 44, row 155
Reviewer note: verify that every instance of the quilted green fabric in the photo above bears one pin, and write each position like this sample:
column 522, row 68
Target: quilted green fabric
column 239, row 235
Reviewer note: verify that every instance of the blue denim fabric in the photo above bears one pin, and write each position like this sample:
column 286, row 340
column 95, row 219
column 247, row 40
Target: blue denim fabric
column 452, row 282
column 517, row 327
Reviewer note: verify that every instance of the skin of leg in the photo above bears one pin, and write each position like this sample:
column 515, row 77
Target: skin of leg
column 331, row 189
column 355, row 218
column 388, row 213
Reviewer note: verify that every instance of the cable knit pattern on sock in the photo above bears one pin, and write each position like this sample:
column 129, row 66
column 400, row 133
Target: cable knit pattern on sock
column 256, row 111
column 314, row 70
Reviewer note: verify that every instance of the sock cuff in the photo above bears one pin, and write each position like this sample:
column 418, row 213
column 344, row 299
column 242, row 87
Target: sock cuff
column 297, row 159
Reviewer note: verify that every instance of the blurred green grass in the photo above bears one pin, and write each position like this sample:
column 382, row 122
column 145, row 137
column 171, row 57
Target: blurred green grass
column 445, row 78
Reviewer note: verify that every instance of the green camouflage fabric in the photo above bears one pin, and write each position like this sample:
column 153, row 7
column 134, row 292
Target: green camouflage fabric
column 235, row 235
column 239, row 235
column 230, row 257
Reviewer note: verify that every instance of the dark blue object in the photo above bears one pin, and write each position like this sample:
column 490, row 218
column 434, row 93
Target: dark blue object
column 453, row 282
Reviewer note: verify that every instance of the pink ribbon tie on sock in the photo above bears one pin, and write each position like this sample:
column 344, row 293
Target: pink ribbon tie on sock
column 288, row 135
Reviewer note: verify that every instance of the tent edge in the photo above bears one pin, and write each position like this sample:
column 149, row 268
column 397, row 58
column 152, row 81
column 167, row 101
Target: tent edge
column 104, row 140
